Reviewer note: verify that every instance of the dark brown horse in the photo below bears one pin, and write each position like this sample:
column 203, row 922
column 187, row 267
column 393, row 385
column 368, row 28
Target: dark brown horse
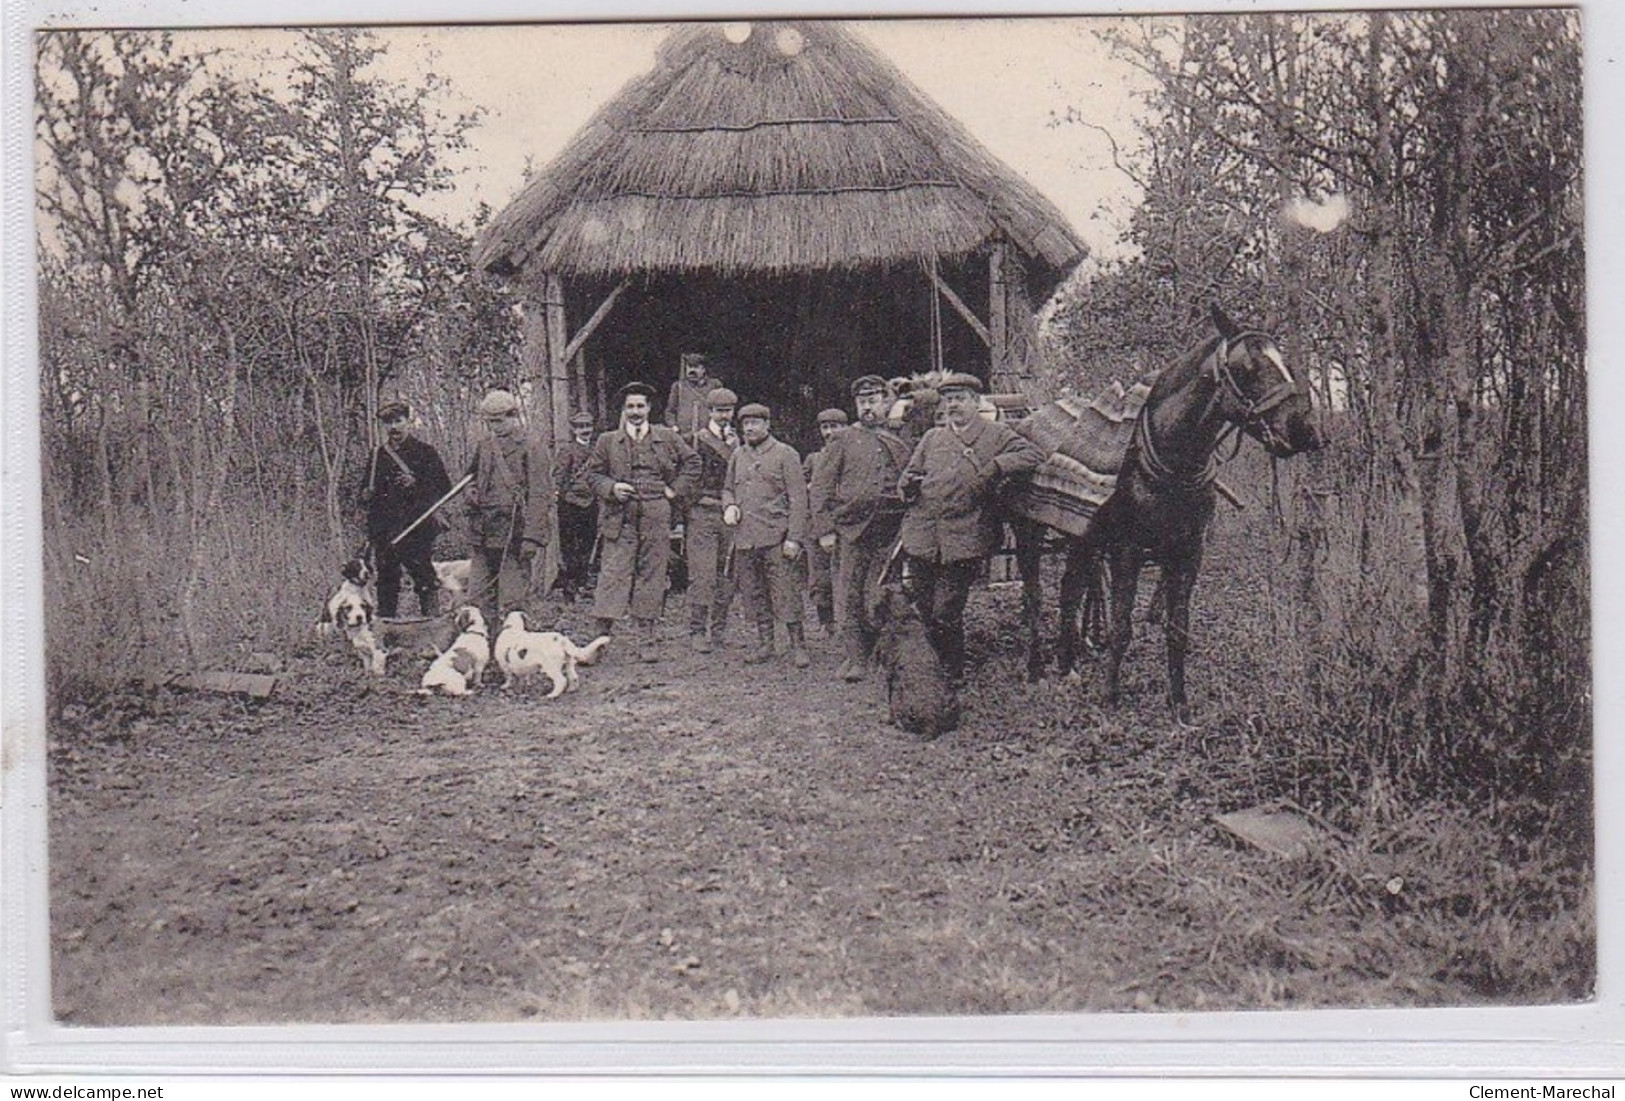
column 1158, row 513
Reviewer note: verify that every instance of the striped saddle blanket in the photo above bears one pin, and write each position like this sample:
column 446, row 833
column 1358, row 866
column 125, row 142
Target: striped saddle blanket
column 1086, row 442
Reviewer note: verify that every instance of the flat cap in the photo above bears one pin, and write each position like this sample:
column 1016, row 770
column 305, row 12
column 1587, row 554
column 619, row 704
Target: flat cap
column 581, row 420
column 755, row 409
column 959, row 380
column 832, row 416
column 641, row 388
column 721, row 396
column 498, row 403
column 868, row 384
column 394, row 411
column 690, row 358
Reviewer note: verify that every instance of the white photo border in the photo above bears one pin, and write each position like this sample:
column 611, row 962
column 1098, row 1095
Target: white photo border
column 1586, row 1040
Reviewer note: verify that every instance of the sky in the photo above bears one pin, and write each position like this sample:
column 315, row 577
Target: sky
column 1009, row 81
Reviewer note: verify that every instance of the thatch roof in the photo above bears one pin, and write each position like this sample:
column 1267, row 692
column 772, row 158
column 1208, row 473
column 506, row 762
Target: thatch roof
column 799, row 148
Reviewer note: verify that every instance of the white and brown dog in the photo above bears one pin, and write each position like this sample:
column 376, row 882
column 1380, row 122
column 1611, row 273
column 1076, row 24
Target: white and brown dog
column 519, row 652
column 457, row 671
column 350, row 611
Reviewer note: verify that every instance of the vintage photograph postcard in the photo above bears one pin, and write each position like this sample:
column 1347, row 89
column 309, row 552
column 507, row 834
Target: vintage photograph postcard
column 821, row 520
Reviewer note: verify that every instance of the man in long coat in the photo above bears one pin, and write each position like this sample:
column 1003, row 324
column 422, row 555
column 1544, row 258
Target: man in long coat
column 707, row 539
column 952, row 523
column 856, row 506
column 404, row 477
column 764, row 500
column 578, row 508
column 510, row 509
column 821, row 561
column 637, row 471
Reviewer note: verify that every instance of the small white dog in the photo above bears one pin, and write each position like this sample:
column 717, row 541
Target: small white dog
column 453, row 578
column 350, row 610
column 457, row 671
column 520, row 652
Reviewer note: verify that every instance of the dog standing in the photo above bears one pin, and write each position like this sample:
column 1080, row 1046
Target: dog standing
column 350, row 610
column 919, row 697
column 520, row 652
column 457, row 671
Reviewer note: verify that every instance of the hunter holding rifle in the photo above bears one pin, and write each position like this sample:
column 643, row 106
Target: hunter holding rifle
column 510, row 509
column 404, row 480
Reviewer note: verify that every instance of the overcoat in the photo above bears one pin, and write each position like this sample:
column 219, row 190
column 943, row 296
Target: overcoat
column 766, row 482
column 676, row 464
column 951, row 516
column 854, row 485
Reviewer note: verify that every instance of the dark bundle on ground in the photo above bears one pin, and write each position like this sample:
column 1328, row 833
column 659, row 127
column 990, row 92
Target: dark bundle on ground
column 919, row 698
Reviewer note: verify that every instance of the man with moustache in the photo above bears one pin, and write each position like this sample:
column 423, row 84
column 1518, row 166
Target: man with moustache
column 951, row 526
column 578, row 509
column 707, row 539
column 856, row 507
column 685, row 404
column 764, row 500
column 637, row 472
column 821, row 562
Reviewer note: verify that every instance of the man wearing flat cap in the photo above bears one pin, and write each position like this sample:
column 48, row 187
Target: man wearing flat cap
column 707, row 540
column 578, row 508
column 764, row 500
column 952, row 522
column 856, row 508
column 405, row 476
column 686, row 410
column 820, row 562
column 510, row 509
column 637, row 472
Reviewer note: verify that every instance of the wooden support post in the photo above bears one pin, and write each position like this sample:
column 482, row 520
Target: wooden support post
column 534, row 359
column 558, row 342
column 998, row 317
column 960, row 308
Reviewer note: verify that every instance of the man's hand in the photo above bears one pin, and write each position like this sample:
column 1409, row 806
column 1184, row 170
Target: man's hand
column 671, row 494
column 730, row 516
column 791, row 548
column 623, row 491
column 827, row 541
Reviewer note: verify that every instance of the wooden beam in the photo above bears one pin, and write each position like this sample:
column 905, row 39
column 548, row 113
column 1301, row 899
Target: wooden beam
column 598, row 316
column 959, row 306
column 558, row 375
column 998, row 317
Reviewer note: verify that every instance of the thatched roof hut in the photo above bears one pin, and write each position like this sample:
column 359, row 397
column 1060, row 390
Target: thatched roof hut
column 780, row 196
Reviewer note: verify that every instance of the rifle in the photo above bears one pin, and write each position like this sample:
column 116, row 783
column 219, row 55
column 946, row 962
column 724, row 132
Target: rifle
column 434, row 508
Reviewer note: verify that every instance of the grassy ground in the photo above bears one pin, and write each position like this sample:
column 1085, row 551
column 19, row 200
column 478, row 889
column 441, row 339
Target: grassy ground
column 703, row 838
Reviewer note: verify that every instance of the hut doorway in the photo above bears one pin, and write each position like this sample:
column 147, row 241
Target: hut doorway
column 792, row 342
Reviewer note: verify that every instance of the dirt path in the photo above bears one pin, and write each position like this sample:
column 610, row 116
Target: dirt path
column 696, row 838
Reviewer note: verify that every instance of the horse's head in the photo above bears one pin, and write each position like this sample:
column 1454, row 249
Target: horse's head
column 1261, row 393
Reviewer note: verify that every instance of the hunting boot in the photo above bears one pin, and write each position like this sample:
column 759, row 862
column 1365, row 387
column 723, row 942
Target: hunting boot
column 648, row 643
column 719, row 625
column 764, row 648
column 798, row 646
column 697, row 618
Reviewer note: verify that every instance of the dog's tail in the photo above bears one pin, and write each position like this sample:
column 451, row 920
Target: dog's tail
column 587, row 654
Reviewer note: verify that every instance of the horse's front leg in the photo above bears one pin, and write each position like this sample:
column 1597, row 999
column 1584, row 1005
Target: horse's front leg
column 1125, row 582
column 1178, row 584
column 1029, row 561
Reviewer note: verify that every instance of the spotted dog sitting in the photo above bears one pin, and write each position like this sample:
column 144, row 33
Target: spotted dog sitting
column 457, row 671
column 919, row 696
column 520, row 652
column 350, row 611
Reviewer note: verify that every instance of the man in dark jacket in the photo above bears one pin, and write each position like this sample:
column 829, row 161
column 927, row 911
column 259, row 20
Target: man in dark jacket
column 952, row 522
column 685, row 404
column 636, row 472
column 707, row 541
column 510, row 509
column 578, row 508
column 855, row 504
column 821, row 562
column 404, row 477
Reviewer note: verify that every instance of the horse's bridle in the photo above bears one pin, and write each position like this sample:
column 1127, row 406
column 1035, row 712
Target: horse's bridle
column 1250, row 419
